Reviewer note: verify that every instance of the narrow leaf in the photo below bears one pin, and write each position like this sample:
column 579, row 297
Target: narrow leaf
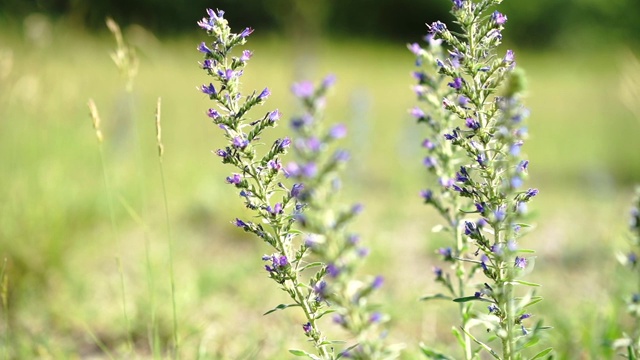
column 526, row 283
column 298, row 352
column 485, row 346
column 471, row 298
column 312, row 265
column 435, row 297
column 433, row 354
column 542, row 353
column 280, row 307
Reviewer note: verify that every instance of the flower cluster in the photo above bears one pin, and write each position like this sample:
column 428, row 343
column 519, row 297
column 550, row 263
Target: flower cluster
column 325, row 221
column 631, row 342
column 475, row 120
column 258, row 176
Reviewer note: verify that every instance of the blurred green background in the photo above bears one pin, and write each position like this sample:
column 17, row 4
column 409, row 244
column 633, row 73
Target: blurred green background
column 63, row 294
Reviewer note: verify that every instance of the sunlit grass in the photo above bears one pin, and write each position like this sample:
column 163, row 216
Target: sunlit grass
column 64, row 288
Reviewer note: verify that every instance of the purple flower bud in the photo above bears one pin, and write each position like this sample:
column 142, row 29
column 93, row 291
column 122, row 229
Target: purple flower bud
column 329, row 81
column 500, row 214
column 341, row 156
column 264, row 94
column 525, row 316
column 357, row 209
column 457, row 4
column 417, row 113
column 520, row 262
column 446, row 253
column 463, row 101
column 338, row 131
column 472, row 124
column 234, row 179
column 339, row 319
column 274, row 164
column 246, row 32
column 427, row 195
column 516, row 182
column 430, row 162
column 493, row 308
column 377, row 282
column 307, row 328
column 509, row 57
column 276, row 210
column 309, row 170
column 296, row 189
column 283, row 143
column 246, row 55
column 437, row 27
column 239, row 142
column 437, row 271
column 274, row 115
column 333, row 270
column 203, row 48
column 209, row 90
column 222, row 153
column 213, row 113
column 479, row 208
column 531, row 193
column 523, row 165
column 375, row 317
column 456, row 84
column 498, row 18
column 415, row 48
column 303, row 89
column 363, row 252
column 240, row 223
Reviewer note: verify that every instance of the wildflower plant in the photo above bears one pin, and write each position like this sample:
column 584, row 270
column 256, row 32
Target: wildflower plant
column 259, row 181
column 325, row 220
column 631, row 341
column 474, row 115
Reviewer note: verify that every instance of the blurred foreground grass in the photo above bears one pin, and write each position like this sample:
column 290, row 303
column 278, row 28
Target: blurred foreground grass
column 64, row 298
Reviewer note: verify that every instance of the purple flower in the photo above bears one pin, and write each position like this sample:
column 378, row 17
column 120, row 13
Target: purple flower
column 307, row 328
column 417, row 113
column 531, row 193
column 463, row 101
column 246, row 55
column 363, row 252
column 203, row 48
column 375, row 317
column 303, row 89
column 472, row 124
column 309, row 170
column 283, row 143
column 427, row 195
column 498, row 18
column 274, row 115
column 523, row 165
column 479, row 208
column 500, row 214
column 462, row 176
column 457, row 4
column 222, row 153
column 339, row 319
column 320, row 289
column 520, row 262
column 437, row 27
column 430, row 162
column 509, row 57
column 456, row 84
column 481, row 160
column 341, row 156
column 483, row 262
column 446, row 253
column 452, row 136
column 492, row 308
column 338, row 131
column 428, row 144
column 240, row 223
column 414, row 48
column 264, row 94
column 357, row 209
column 213, row 113
column 234, row 179
column 296, row 189
column 524, row 316
column 516, row 182
column 377, row 282
column 275, row 210
column 437, row 271
column 240, row 142
column 274, row 164
column 328, row 81
column 209, row 90
column 246, row 32
column 333, row 270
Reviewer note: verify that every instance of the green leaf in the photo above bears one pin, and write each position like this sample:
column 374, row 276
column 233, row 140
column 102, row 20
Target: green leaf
column 526, row 283
column 433, row 354
column 542, row 353
column 298, row 352
column 345, row 351
column 458, row 336
column 471, row 298
column 534, row 300
column 311, row 265
column 329, row 311
column 280, row 307
column 485, row 346
column 632, row 354
column 435, row 297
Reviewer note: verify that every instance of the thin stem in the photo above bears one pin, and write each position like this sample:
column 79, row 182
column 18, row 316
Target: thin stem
column 176, row 344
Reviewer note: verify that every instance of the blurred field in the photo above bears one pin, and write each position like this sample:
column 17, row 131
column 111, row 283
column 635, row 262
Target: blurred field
column 64, row 295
